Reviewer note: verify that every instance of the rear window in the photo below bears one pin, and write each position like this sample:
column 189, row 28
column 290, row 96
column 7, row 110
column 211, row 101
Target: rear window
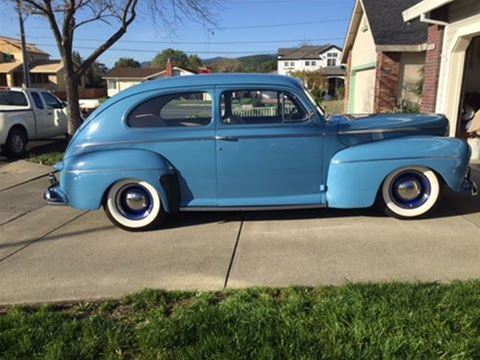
column 173, row 110
column 13, row 98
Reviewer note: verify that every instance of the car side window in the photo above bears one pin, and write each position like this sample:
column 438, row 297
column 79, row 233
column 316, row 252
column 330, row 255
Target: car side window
column 173, row 110
column 37, row 100
column 14, row 98
column 51, row 101
column 256, row 107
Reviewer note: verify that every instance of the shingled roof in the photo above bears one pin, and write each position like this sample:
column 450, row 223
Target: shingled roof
column 304, row 52
column 387, row 24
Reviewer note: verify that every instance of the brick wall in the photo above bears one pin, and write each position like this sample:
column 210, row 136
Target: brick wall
column 386, row 84
column 347, row 82
column 432, row 68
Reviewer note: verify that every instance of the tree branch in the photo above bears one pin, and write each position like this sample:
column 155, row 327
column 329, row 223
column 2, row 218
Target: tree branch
column 128, row 16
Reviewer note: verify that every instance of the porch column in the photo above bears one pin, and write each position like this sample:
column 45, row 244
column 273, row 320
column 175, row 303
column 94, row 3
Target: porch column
column 431, row 75
column 386, row 82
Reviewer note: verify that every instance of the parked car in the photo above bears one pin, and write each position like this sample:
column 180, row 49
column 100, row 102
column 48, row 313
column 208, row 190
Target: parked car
column 199, row 143
column 29, row 114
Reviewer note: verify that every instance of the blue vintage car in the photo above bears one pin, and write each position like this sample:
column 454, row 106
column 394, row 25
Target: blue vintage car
column 253, row 142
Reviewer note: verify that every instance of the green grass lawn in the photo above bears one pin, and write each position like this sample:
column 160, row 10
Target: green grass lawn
column 48, row 159
column 391, row 321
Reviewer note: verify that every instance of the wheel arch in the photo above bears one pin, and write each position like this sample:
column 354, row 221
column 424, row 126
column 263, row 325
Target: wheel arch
column 356, row 174
column 86, row 178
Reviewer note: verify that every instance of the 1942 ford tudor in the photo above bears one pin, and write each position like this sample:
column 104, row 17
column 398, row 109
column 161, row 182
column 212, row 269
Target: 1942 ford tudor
column 250, row 142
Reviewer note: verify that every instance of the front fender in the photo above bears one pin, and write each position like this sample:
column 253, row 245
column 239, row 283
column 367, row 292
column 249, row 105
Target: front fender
column 86, row 177
column 355, row 174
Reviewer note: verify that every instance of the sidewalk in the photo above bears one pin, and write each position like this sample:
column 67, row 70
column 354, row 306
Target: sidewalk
column 57, row 253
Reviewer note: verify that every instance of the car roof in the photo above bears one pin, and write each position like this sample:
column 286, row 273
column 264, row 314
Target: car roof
column 212, row 79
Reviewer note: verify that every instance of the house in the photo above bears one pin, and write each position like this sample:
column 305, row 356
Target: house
column 45, row 73
column 122, row 78
column 452, row 65
column 307, row 58
column 385, row 58
column 326, row 58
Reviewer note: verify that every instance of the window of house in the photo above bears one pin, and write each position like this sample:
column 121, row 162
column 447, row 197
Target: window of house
column 332, row 55
column 307, row 63
column 332, row 62
column 285, row 63
column 37, row 100
column 256, row 107
column 112, row 84
column 51, row 101
column 314, row 63
column 173, row 110
column 292, row 63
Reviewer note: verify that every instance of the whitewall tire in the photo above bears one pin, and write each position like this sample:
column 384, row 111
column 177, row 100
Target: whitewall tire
column 410, row 192
column 134, row 205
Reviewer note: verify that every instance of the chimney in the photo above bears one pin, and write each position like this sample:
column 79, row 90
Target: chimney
column 168, row 68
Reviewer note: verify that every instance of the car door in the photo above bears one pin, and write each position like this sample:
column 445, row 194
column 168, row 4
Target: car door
column 269, row 149
column 178, row 125
column 42, row 117
column 56, row 120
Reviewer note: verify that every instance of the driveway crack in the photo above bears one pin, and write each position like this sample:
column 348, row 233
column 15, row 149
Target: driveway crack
column 42, row 237
column 233, row 253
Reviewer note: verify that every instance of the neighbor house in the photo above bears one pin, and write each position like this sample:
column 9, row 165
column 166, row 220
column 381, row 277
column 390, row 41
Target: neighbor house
column 44, row 72
column 121, row 78
column 325, row 58
column 385, row 58
column 452, row 66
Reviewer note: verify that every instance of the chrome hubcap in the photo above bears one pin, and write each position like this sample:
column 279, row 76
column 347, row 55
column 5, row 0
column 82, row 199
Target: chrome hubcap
column 409, row 190
column 134, row 202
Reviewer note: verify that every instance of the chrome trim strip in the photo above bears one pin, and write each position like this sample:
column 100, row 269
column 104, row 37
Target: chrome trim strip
column 381, row 131
column 216, row 137
column 251, row 208
column 397, row 159
column 77, row 172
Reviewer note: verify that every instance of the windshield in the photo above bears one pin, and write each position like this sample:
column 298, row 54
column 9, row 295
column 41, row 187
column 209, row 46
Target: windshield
column 320, row 109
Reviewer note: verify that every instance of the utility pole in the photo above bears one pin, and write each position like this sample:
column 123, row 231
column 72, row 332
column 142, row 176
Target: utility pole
column 26, row 76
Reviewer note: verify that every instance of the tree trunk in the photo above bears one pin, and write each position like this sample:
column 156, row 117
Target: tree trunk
column 71, row 87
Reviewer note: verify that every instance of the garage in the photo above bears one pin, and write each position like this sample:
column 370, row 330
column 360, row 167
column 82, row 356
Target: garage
column 452, row 65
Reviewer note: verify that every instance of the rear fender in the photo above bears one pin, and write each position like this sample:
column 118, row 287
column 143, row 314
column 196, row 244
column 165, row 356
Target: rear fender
column 85, row 178
column 356, row 173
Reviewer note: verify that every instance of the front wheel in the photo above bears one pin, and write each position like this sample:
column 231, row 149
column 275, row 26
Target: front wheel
column 134, row 205
column 410, row 192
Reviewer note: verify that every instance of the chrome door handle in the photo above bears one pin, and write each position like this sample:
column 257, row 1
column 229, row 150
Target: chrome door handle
column 226, row 138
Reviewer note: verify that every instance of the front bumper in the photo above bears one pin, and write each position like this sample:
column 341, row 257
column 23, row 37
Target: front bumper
column 54, row 195
column 469, row 185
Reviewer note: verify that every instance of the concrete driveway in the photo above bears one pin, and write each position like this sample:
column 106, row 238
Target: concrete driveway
column 56, row 253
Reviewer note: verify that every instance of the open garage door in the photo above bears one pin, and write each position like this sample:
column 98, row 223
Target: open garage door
column 470, row 100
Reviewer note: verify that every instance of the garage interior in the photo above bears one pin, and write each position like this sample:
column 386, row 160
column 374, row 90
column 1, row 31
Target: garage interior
column 470, row 103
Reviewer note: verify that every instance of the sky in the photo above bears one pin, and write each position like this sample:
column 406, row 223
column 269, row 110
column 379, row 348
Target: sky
column 263, row 26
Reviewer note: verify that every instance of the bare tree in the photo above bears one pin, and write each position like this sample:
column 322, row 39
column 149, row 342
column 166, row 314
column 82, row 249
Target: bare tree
column 66, row 16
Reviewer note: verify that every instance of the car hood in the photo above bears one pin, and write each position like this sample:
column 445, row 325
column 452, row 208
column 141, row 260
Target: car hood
column 353, row 131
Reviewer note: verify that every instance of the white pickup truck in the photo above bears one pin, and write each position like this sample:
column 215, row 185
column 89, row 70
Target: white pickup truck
column 29, row 114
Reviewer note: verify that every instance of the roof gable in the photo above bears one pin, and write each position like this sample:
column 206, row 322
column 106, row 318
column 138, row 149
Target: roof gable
column 387, row 24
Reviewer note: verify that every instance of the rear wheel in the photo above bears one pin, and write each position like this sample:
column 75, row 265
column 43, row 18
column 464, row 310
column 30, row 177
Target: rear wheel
column 410, row 192
column 134, row 205
column 16, row 145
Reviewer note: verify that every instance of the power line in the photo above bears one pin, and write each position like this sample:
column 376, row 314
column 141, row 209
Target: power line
column 281, row 25
column 269, row 52
column 203, row 42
